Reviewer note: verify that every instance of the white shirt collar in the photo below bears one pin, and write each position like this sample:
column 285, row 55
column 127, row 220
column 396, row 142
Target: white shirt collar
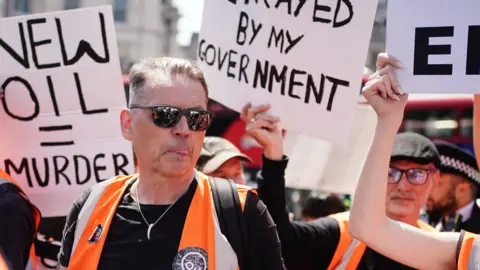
column 466, row 211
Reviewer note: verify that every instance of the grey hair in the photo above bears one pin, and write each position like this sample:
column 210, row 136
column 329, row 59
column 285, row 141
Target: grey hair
column 162, row 70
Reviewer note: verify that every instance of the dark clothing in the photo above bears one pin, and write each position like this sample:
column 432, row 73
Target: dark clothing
column 17, row 227
column 127, row 246
column 306, row 245
column 454, row 223
column 473, row 223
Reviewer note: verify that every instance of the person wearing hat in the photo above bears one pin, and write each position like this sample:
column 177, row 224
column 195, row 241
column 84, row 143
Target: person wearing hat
column 369, row 223
column 325, row 243
column 456, row 193
column 221, row 158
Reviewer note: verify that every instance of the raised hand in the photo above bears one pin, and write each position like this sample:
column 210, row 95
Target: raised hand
column 383, row 92
column 265, row 129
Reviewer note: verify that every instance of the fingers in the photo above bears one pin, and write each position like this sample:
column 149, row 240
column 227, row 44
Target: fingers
column 244, row 113
column 381, row 85
column 253, row 111
column 385, row 78
column 249, row 112
column 272, row 119
column 392, row 80
column 373, row 87
column 261, row 124
column 385, row 59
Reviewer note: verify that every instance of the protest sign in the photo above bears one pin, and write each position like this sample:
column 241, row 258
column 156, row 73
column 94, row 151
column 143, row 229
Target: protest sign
column 318, row 165
column 438, row 45
column 59, row 118
column 306, row 58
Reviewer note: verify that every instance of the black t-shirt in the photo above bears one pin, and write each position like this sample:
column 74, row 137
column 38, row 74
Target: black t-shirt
column 127, row 246
column 307, row 245
column 17, row 227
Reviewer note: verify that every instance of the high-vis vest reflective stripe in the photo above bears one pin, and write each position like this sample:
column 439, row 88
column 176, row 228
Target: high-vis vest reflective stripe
column 201, row 234
column 469, row 254
column 32, row 262
column 350, row 251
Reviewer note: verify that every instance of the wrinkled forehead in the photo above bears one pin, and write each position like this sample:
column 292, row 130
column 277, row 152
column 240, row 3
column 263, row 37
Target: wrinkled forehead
column 407, row 164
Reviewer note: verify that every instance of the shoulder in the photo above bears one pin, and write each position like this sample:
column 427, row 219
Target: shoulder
column 99, row 187
column 336, row 223
column 8, row 199
column 13, row 204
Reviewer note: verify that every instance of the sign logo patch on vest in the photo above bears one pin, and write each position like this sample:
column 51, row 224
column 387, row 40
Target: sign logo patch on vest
column 96, row 234
column 191, row 258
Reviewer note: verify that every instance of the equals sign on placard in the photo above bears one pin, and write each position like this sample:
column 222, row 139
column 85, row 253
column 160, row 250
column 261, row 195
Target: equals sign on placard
column 55, row 128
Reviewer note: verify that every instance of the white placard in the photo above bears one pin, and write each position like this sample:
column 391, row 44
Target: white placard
column 306, row 58
column 59, row 119
column 438, row 42
column 318, row 165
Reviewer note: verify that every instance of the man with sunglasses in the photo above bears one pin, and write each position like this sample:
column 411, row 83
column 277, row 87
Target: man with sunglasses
column 165, row 216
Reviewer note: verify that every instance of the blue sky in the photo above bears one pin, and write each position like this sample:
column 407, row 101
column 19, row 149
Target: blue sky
column 191, row 11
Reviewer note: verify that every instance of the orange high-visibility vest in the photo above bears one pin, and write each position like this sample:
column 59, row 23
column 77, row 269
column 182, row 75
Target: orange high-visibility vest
column 201, row 236
column 466, row 259
column 32, row 262
column 349, row 250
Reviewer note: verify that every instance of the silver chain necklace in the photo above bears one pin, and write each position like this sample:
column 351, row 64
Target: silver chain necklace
column 150, row 225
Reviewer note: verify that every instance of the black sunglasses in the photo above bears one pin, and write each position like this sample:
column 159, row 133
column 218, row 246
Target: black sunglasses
column 415, row 176
column 168, row 116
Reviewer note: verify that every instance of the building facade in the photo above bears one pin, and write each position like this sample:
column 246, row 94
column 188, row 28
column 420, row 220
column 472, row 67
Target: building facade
column 144, row 28
column 378, row 38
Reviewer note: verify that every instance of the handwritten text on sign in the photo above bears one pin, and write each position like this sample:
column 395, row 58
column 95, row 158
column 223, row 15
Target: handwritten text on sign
column 439, row 45
column 60, row 113
column 304, row 57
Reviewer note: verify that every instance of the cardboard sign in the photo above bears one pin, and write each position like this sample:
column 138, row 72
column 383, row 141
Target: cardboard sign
column 438, row 45
column 59, row 118
column 318, row 165
column 306, row 58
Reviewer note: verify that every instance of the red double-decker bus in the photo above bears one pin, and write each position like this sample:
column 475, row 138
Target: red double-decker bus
column 446, row 117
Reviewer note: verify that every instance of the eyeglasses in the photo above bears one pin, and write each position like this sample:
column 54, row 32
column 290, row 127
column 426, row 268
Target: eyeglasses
column 415, row 176
column 169, row 116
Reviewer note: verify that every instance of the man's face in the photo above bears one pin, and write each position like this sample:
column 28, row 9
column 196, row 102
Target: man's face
column 442, row 198
column 169, row 151
column 231, row 169
column 405, row 199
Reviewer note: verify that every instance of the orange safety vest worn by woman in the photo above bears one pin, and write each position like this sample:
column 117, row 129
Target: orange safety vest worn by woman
column 350, row 251
column 201, row 234
column 6, row 179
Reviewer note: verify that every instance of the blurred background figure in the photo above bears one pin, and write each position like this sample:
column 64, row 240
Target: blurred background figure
column 317, row 207
column 220, row 158
column 453, row 201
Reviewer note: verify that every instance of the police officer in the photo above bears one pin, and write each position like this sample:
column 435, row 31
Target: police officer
column 457, row 190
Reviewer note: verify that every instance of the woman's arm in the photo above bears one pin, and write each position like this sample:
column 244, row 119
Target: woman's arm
column 368, row 221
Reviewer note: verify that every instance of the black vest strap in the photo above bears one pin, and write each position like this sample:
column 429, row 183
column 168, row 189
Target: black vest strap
column 230, row 216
